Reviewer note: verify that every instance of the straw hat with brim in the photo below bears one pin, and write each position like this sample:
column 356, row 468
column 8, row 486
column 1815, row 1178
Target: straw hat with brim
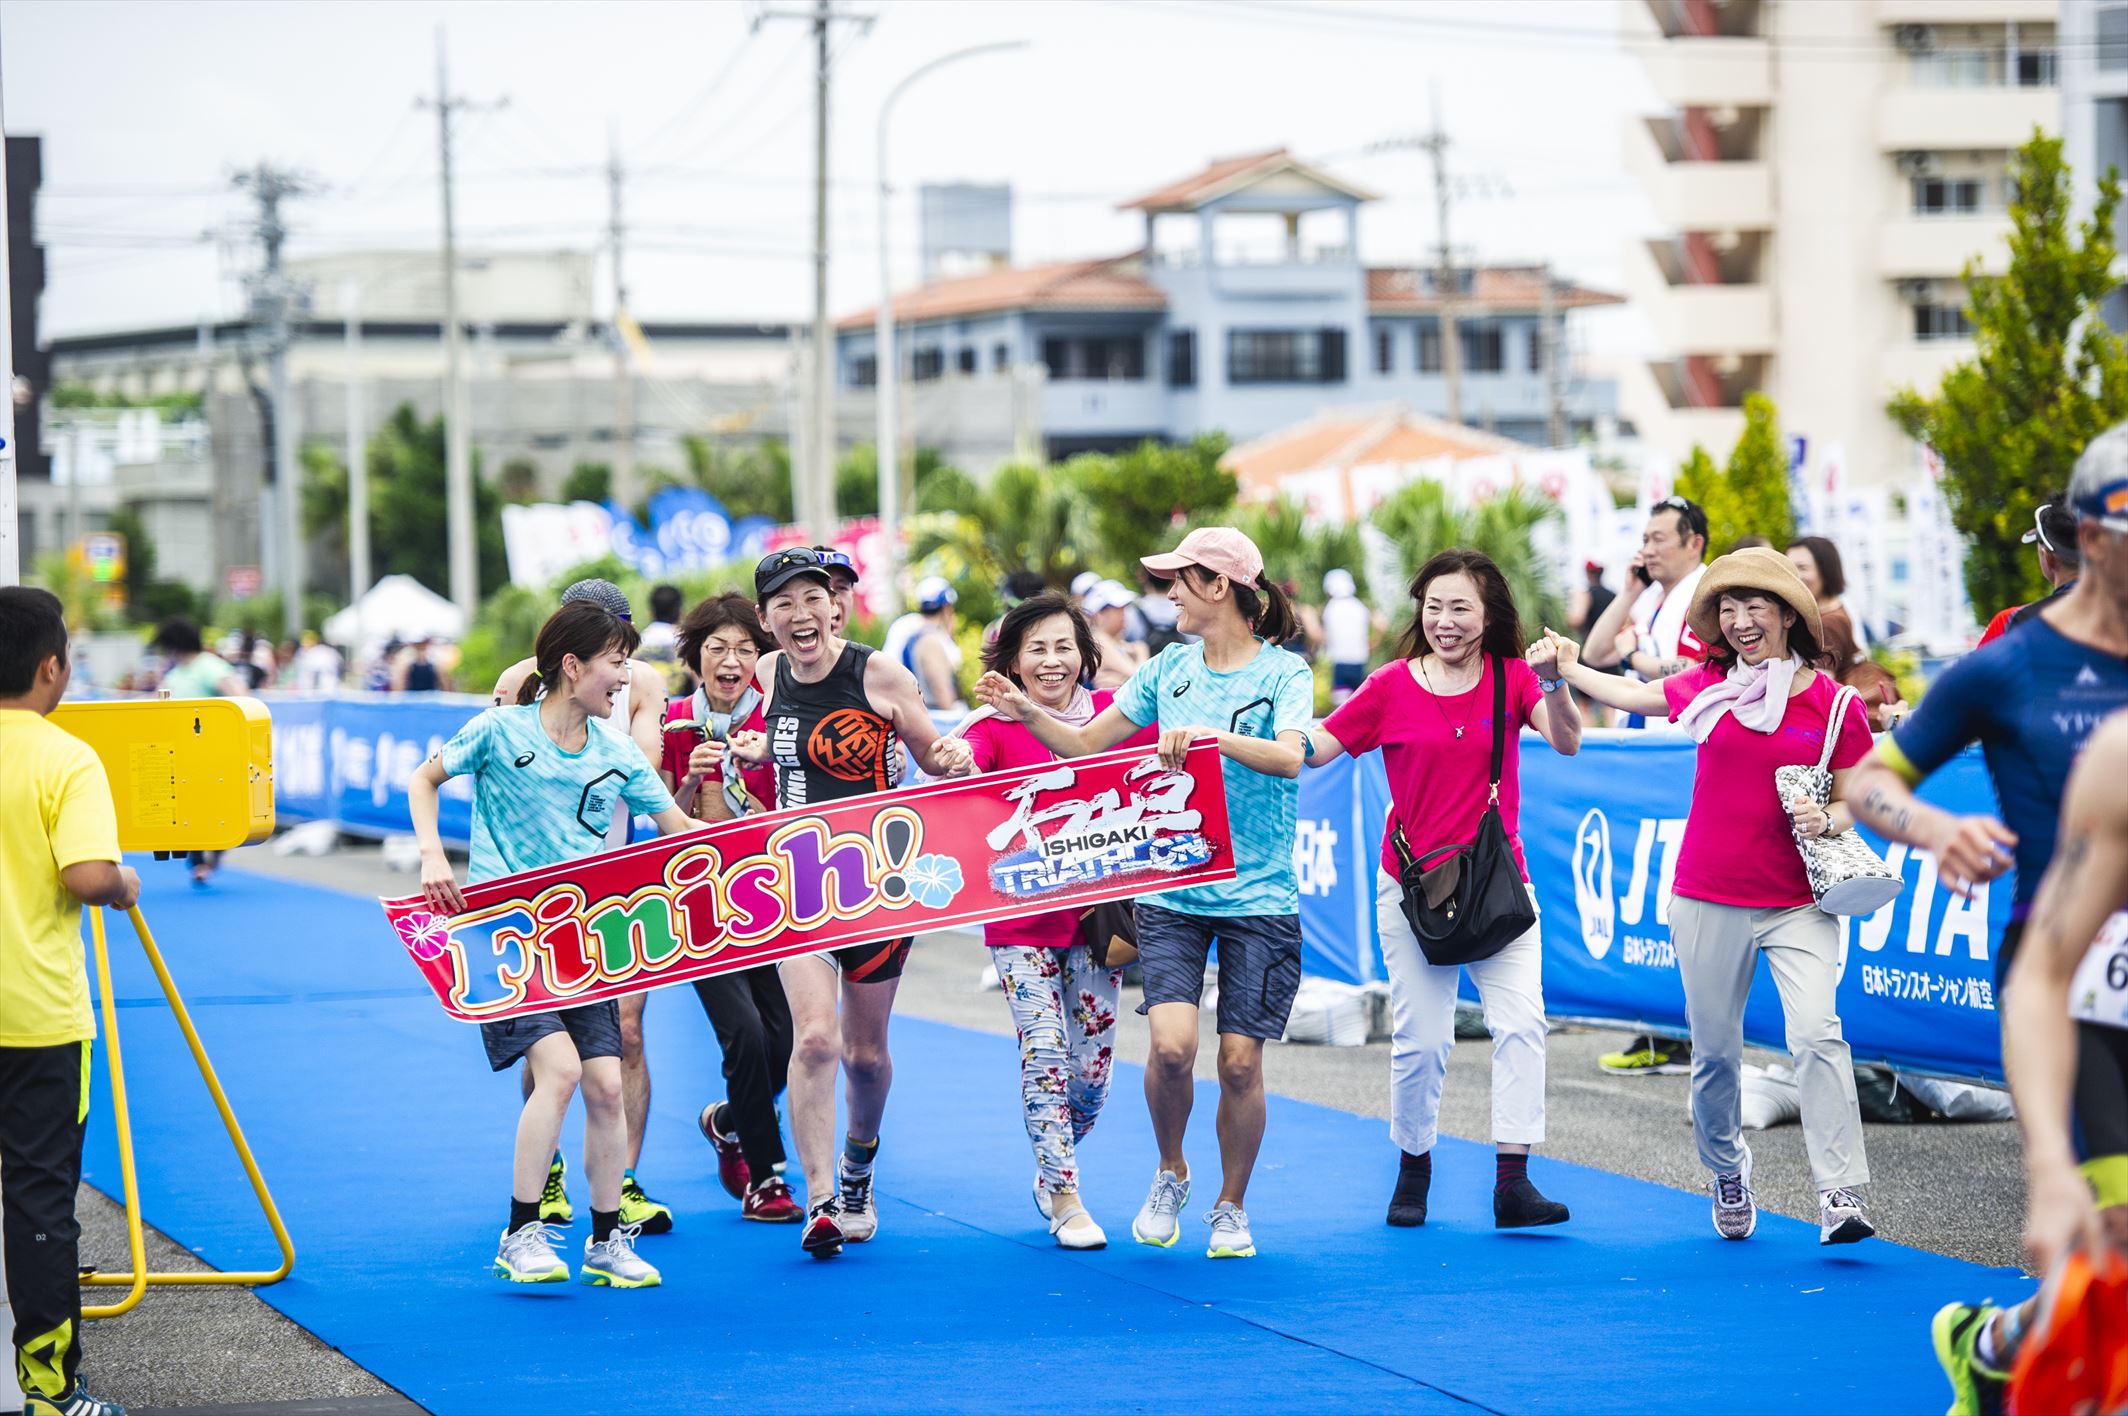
column 1760, row 569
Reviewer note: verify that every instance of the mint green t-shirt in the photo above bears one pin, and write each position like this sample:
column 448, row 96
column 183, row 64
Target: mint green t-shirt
column 1271, row 694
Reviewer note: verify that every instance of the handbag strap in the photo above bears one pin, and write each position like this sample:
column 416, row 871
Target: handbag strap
column 1832, row 725
column 1499, row 722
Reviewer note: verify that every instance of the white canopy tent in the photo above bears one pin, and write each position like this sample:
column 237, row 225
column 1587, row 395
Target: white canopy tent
column 396, row 607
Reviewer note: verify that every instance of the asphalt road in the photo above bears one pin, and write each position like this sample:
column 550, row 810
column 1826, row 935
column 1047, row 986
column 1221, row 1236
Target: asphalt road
column 1956, row 1190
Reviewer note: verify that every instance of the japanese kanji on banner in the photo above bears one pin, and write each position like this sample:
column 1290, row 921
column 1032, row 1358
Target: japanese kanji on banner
column 762, row 888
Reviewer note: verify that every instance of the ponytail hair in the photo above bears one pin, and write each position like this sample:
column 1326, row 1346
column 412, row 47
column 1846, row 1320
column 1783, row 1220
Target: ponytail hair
column 582, row 629
column 1266, row 609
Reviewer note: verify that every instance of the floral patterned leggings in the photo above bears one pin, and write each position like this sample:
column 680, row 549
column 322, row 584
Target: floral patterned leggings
column 1064, row 1006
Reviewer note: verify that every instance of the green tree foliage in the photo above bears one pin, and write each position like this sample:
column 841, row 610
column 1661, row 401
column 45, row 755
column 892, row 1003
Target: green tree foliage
column 2046, row 377
column 1130, row 503
column 170, row 405
column 406, row 504
column 149, row 598
column 749, row 479
column 1294, row 552
column 519, row 483
column 1422, row 520
column 588, row 481
column 1750, row 496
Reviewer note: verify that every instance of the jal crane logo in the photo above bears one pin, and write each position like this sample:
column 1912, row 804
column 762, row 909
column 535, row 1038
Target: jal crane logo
column 1592, row 882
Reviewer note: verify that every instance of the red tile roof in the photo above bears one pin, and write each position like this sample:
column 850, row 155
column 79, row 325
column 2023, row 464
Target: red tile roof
column 1227, row 174
column 1395, row 290
column 1115, row 283
column 1345, row 438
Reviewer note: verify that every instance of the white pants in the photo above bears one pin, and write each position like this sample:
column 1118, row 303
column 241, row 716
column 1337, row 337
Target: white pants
column 1422, row 1003
column 1718, row 948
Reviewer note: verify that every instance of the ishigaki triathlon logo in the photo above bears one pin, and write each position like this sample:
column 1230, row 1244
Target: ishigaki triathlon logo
column 1147, row 828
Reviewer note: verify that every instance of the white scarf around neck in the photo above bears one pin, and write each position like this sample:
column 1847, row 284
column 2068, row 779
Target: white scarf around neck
column 1755, row 695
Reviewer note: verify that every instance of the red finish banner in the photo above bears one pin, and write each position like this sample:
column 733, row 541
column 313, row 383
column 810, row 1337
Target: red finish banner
column 749, row 892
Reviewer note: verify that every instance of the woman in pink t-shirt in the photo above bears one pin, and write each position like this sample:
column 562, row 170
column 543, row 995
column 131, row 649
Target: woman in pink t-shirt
column 1430, row 711
column 720, row 642
column 1759, row 702
column 1063, row 1004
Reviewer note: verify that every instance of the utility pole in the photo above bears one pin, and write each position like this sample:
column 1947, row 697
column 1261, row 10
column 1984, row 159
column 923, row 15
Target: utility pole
column 274, row 298
column 10, row 532
column 1447, row 284
column 1548, row 327
column 813, row 475
column 623, row 368
column 458, row 445
column 357, row 461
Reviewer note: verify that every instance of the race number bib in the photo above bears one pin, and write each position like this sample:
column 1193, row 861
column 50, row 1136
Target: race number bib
column 2099, row 992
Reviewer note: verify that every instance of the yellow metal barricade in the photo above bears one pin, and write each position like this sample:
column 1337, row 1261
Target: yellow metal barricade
column 186, row 775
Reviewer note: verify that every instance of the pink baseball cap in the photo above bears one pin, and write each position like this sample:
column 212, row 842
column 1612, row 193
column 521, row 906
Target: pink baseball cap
column 1219, row 549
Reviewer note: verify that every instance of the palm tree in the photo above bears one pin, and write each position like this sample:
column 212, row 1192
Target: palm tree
column 1421, row 519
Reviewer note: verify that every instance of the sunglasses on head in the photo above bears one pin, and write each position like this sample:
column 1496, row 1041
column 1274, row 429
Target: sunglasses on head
column 784, row 560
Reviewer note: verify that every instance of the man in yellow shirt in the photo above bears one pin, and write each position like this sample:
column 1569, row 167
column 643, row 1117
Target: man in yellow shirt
column 58, row 852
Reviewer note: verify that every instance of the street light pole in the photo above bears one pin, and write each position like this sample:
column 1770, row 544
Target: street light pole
column 886, row 381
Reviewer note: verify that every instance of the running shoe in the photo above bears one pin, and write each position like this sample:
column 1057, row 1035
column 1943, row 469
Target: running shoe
column 77, row 1402
column 1077, row 1230
column 614, row 1262
column 1976, row 1388
column 1159, row 1221
column 731, row 1161
column 769, row 1201
column 1041, row 1197
column 860, row 1217
column 554, row 1200
column 1736, row 1216
column 1843, row 1218
column 641, row 1211
column 1230, row 1233
column 527, row 1256
column 1647, row 1056
column 822, row 1236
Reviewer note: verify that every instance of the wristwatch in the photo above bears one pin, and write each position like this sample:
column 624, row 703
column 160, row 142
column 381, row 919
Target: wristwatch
column 1550, row 685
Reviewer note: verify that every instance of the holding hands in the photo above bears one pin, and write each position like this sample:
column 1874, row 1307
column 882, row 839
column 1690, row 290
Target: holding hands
column 1004, row 697
column 952, row 757
column 750, row 748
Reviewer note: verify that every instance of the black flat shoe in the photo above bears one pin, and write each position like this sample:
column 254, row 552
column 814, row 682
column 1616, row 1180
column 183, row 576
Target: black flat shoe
column 1407, row 1207
column 1521, row 1206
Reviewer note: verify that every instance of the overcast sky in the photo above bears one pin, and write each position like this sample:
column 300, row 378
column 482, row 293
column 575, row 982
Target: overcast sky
column 146, row 108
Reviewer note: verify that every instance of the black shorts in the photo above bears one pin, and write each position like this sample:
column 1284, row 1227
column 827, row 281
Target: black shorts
column 1348, row 676
column 2102, row 1101
column 595, row 1028
column 872, row 963
column 1259, row 965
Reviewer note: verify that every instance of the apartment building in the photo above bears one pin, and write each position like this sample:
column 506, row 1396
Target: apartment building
column 1821, row 173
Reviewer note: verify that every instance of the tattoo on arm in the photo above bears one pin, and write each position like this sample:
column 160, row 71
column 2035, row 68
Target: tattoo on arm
column 1667, row 667
column 1880, row 809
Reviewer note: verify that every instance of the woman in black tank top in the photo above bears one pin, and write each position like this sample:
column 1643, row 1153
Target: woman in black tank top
column 837, row 715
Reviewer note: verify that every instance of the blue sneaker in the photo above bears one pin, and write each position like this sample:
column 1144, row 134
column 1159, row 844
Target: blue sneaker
column 77, row 1402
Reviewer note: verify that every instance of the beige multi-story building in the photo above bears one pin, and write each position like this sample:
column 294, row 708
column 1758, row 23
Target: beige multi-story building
column 1822, row 172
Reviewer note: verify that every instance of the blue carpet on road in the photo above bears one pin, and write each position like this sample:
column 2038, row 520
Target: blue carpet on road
column 386, row 1141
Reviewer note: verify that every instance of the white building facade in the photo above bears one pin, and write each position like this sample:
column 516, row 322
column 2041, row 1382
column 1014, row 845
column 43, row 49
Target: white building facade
column 1821, row 173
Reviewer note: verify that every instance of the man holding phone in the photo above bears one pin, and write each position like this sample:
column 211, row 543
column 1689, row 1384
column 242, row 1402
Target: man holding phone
column 1644, row 631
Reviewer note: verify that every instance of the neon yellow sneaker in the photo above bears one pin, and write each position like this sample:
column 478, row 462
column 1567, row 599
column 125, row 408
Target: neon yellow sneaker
column 1976, row 1388
column 615, row 1263
column 77, row 1402
column 1647, row 1056
column 641, row 1211
column 527, row 1256
column 554, row 1199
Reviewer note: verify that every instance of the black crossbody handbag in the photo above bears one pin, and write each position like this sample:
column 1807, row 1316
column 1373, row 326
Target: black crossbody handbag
column 1466, row 903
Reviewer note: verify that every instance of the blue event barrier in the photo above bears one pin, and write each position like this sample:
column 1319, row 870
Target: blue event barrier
column 1600, row 833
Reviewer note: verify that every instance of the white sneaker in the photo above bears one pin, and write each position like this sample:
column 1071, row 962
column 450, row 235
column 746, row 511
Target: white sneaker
column 1843, row 1218
column 1230, row 1233
column 615, row 1263
column 859, row 1216
column 1159, row 1220
column 527, row 1256
column 1077, row 1230
column 1041, row 1197
column 1736, row 1215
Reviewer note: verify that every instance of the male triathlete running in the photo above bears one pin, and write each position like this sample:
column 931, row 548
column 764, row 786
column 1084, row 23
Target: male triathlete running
column 2030, row 699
